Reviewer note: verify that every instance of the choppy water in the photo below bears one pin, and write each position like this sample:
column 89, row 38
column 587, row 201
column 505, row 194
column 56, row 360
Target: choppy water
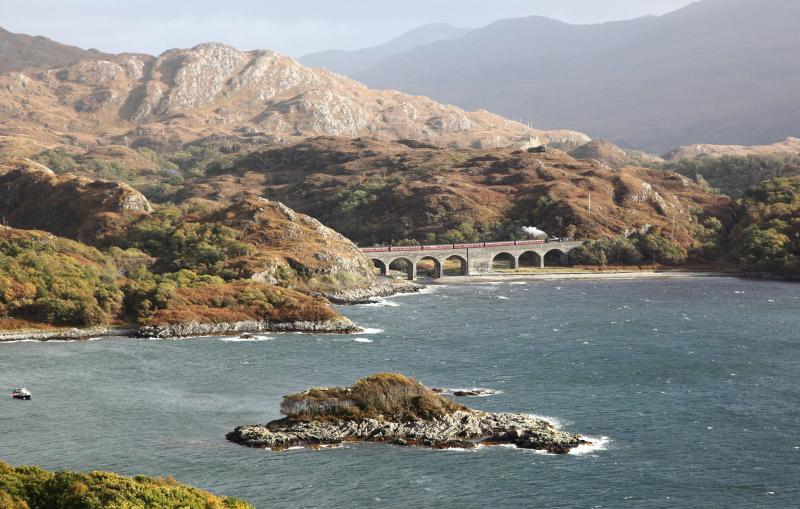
column 696, row 384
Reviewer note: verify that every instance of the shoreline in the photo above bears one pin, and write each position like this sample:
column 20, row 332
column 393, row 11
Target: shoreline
column 550, row 276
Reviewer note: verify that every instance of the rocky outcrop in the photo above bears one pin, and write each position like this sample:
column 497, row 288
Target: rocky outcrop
column 35, row 198
column 395, row 409
column 197, row 329
column 462, row 429
column 384, row 287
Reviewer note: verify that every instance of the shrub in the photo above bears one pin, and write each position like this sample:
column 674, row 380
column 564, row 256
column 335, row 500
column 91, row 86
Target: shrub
column 25, row 487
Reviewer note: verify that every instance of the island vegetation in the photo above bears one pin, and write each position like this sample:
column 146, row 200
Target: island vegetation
column 34, row 488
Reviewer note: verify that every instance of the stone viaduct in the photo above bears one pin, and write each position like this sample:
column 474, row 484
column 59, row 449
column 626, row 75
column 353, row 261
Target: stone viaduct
column 475, row 258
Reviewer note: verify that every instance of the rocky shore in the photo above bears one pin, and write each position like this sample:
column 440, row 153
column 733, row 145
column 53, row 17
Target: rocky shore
column 73, row 334
column 463, row 429
column 194, row 329
column 391, row 408
column 385, row 287
column 183, row 330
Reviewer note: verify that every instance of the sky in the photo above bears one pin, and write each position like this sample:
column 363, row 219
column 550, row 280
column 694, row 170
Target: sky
column 291, row 27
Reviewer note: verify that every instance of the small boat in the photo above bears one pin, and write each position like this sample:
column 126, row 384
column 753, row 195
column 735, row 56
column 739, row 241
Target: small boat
column 21, row 393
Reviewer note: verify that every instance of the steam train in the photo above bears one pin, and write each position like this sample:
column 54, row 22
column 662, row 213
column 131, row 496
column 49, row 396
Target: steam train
column 446, row 247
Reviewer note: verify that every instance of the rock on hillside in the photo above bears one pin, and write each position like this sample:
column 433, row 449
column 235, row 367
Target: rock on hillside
column 214, row 89
column 789, row 147
column 33, row 197
column 288, row 241
column 376, row 191
column 608, row 153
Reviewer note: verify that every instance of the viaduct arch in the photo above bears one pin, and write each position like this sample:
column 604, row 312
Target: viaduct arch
column 474, row 259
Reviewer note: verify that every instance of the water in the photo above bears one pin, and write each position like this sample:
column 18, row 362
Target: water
column 695, row 384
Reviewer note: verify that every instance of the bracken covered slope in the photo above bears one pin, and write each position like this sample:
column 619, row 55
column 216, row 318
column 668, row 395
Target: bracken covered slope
column 216, row 90
column 33, row 197
column 376, row 191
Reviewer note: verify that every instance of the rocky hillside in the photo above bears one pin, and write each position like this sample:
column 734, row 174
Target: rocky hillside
column 251, row 265
column 19, row 52
column 33, row 197
column 375, row 191
column 608, row 153
column 216, row 90
column 788, row 147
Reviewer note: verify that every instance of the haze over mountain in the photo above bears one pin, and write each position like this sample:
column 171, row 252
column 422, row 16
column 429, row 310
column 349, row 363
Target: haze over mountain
column 716, row 71
column 352, row 62
column 21, row 51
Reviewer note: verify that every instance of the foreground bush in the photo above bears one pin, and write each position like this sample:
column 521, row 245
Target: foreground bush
column 34, row 488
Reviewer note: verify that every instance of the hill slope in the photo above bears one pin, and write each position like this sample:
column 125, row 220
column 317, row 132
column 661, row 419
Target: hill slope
column 20, row 51
column 376, row 191
column 717, row 71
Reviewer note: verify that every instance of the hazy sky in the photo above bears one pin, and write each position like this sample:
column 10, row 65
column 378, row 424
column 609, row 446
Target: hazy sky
column 293, row 27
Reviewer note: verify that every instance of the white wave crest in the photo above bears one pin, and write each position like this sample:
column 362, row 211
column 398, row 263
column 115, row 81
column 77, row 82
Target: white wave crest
column 370, row 330
column 362, row 340
column 597, row 444
column 245, row 339
column 381, row 303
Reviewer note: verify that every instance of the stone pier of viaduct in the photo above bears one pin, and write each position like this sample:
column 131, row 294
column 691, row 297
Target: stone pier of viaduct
column 475, row 258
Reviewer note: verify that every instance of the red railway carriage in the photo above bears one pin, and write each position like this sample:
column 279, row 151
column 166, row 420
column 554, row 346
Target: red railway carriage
column 440, row 247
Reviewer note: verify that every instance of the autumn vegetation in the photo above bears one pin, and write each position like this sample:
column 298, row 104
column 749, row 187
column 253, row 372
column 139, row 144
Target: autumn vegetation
column 383, row 396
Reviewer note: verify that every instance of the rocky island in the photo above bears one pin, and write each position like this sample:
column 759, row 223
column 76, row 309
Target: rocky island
column 395, row 409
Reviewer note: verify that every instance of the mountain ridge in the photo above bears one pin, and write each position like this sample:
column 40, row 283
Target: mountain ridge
column 651, row 83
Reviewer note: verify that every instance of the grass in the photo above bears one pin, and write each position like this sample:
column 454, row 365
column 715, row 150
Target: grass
column 35, row 488
column 383, row 396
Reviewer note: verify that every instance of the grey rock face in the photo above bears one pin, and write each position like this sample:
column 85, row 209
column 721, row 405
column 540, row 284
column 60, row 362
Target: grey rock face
column 463, row 429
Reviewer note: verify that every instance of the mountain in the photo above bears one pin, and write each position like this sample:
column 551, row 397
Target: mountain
column 213, row 90
column 352, row 62
column 716, row 71
column 20, row 51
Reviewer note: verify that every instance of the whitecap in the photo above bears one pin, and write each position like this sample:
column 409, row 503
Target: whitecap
column 518, row 283
column 362, row 340
column 245, row 339
column 552, row 420
column 502, row 297
column 370, row 330
column 381, row 303
column 597, row 444
column 20, row 341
